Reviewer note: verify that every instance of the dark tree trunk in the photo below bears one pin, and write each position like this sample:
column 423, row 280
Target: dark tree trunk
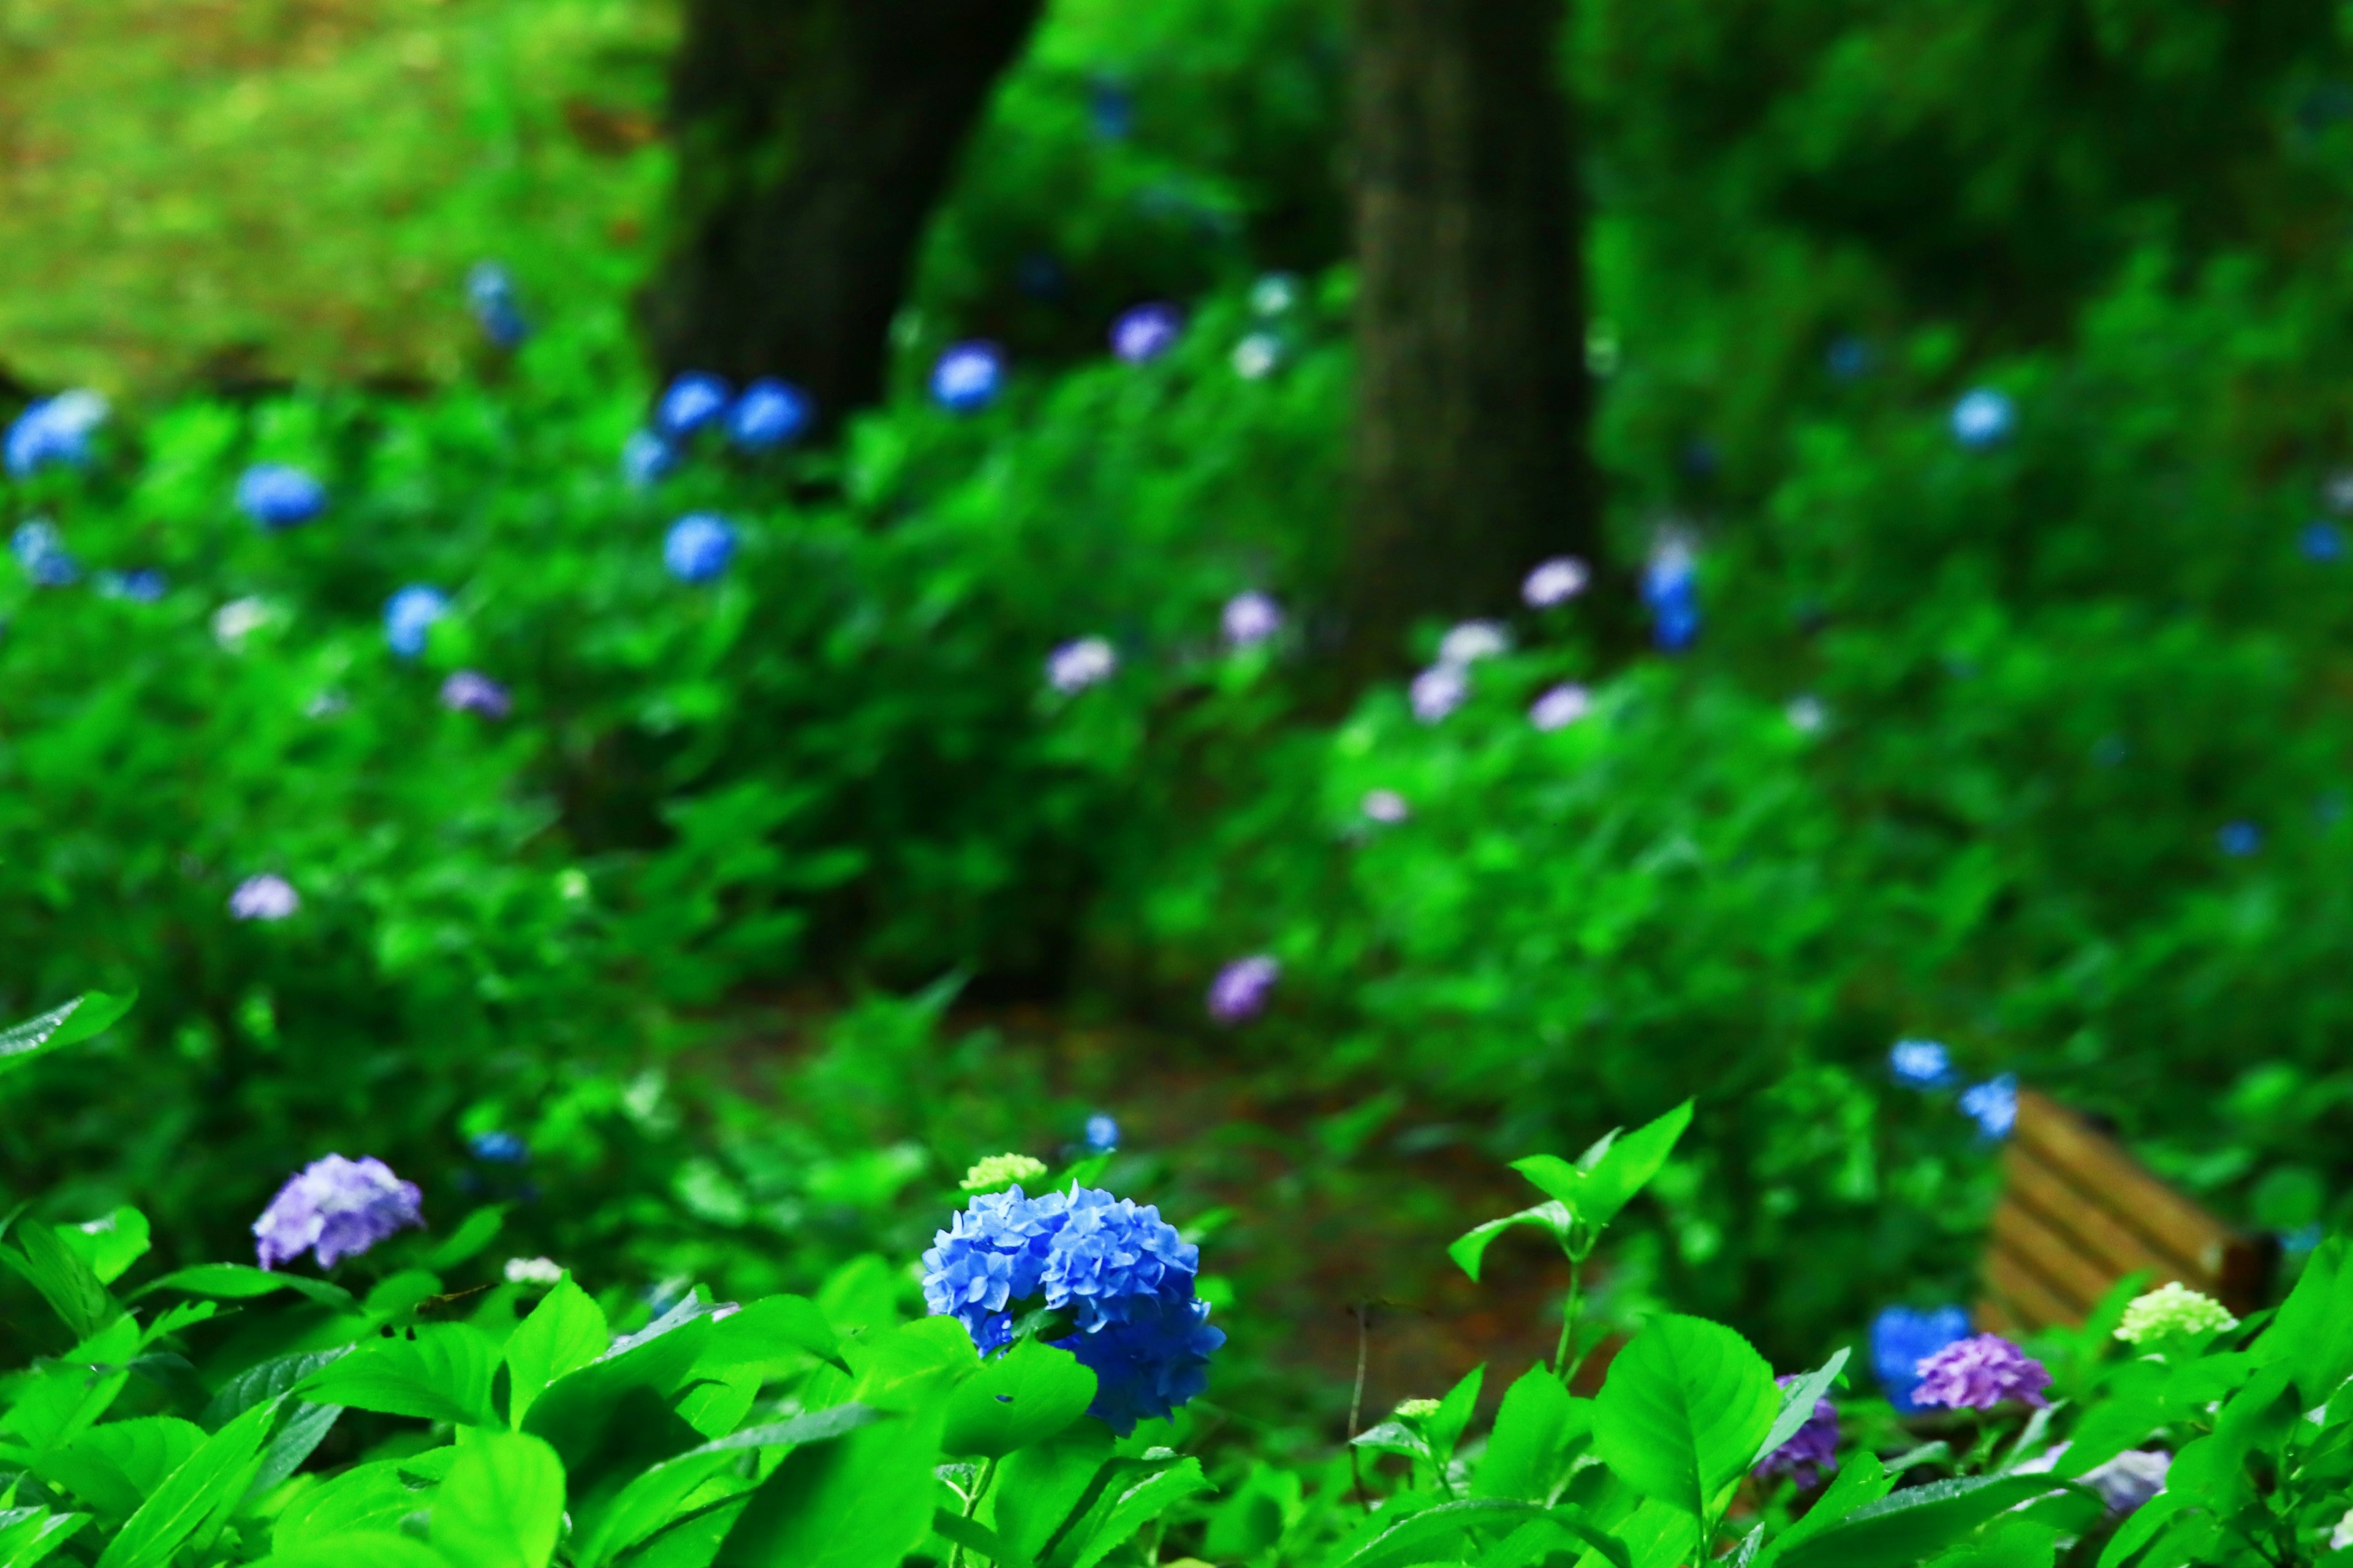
column 813, row 138
column 1472, row 396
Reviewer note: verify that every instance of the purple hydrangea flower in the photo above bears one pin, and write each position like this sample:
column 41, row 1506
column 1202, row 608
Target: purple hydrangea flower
column 408, row 617
column 1101, row 1133
column 1472, row 641
column 646, row 457
column 1812, row 1450
column 1385, row 806
column 2130, row 1479
column 691, row 402
column 336, row 1208
column 1147, row 333
column 1081, row 663
column 1560, row 706
column 1242, row 989
column 54, row 430
column 41, row 551
column 1438, row 692
column 1979, row 1373
column 1251, row 618
column 1920, row 1064
column 1983, row 418
column 267, row 896
column 1901, row 1337
column 276, row 496
column 472, row 691
column 968, row 377
column 1993, row 1105
column 699, row 547
column 771, row 413
column 498, row 309
column 1555, row 582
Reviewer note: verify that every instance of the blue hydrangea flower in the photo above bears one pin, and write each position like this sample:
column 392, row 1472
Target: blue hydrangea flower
column 967, row 378
column 500, row 1149
column 1848, row 358
column 1979, row 1373
column 1146, row 332
column 1148, row 1364
column 692, row 401
column 140, row 585
column 1983, row 418
column 1920, row 1064
column 1993, row 1105
column 336, row 1209
column 41, row 551
column 991, row 1255
column 2239, row 840
column 699, row 547
column 771, row 413
column 2322, row 541
column 1111, row 109
column 1813, row 1450
column 1103, row 1133
column 54, row 430
column 1671, row 588
column 498, row 309
column 276, row 496
column 646, row 457
column 408, row 617
column 1902, row 1338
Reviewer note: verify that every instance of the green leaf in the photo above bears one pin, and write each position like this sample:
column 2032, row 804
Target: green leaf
column 1914, row 1524
column 1861, row 1480
column 1658, row 1535
column 374, row 1548
column 109, row 1245
column 63, row 1279
column 1132, row 1507
column 114, row 1467
column 54, row 1030
column 475, row 1232
column 29, row 1534
column 913, row 1362
column 267, row 1381
column 975, row 1536
column 212, row 1478
column 1040, row 1487
column 565, row 1333
column 2313, row 1330
column 1685, row 1406
column 1628, row 1166
column 613, row 1415
column 366, row 1500
column 863, row 1501
column 1024, row 1396
column 441, row 1372
column 2141, row 1528
column 1470, row 1249
column 241, row 1281
column 768, row 1334
column 651, row 1499
column 1430, row 1535
column 295, row 1441
column 1798, row 1406
column 1444, row 1428
column 1529, row 1447
column 502, row 1504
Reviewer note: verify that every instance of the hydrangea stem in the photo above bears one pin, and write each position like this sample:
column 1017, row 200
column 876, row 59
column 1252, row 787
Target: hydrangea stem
column 1568, row 1358
column 972, row 1506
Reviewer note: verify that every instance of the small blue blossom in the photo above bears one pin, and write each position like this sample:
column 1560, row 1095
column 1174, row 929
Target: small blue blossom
column 1671, row 588
column 646, row 457
column 1902, row 1338
column 2321, row 540
column 1993, row 1105
column 408, row 617
column 1983, row 418
column 41, row 551
column 500, row 1149
column 1920, row 1064
column 276, row 496
column 54, row 430
column 692, row 401
column 498, row 309
column 699, row 547
column 771, row 413
column 1103, row 1133
column 1146, row 332
column 967, row 378
column 140, row 585
column 2239, row 840
column 336, row 1208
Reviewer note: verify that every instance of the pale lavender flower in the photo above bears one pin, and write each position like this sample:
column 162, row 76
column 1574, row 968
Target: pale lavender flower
column 1147, row 333
column 1807, row 714
column 336, row 1208
column 1385, row 806
column 1251, row 618
column 1560, row 706
column 267, row 896
column 1075, row 665
column 2131, row 1479
column 1979, row 1373
column 1812, row 1449
column 1438, row 692
column 1242, row 989
column 472, row 691
column 1472, row 641
column 1555, row 582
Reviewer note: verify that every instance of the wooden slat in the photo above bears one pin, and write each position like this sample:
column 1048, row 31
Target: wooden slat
column 2086, row 1218
column 2064, row 1142
column 2024, row 1295
column 2053, row 1254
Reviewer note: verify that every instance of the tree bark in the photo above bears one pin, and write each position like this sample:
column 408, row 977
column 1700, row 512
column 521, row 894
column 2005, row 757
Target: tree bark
column 813, row 138
column 1472, row 399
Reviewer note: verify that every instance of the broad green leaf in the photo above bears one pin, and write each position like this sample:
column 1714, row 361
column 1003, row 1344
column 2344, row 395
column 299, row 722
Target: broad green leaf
column 113, row 1467
column 371, row 1549
column 2009, row 1543
column 1534, row 1428
column 565, row 1333
column 768, row 1334
column 240, row 1282
column 60, row 1398
column 76, row 1021
column 2143, row 1526
column 63, row 1279
column 651, row 1499
column 1685, row 1406
column 366, row 1500
column 1556, row 1178
column 2312, row 1331
column 2107, row 1430
column 913, row 1362
column 475, row 1232
column 1430, row 1535
column 1798, row 1406
column 977, row 1537
column 502, row 1504
column 1627, row 1166
column 1395, row 1437
column 1445, row 1428
column 1861, row 1480
column 1135, row 1504
column 109, row 1245
column 693, row 1542
column 296, row 1440
column 211, row 1479
column 1915, row 1524
column 1024, row 1396
column 1658, row 1535
column 1038, row 1487
column 27, row 1536
column 267, row 1381
column 1470, row 1249
column 441, row 1372
column 613, row 1416
column 861, row 1502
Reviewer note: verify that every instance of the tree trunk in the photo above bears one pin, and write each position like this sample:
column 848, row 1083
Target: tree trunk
column 1472, row 398
column 813, row 138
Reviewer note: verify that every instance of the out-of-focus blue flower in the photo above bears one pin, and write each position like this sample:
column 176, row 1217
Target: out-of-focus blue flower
column 41, row 551
column 691, row 402
column 968, row 377
column 1671, row 588
column 1242, row 988
column 1251, row 618
column 267, row 896
column 1555, row 582
column 2322, row 541
column 1983, row 418
column 1811, row 1451
column 498, row 309
column 771, row 413
column 140, row 585
column 1081, row 663
column 1101, row 1133
column 1111, row 108
column 1147, row 333
column 1560, row 706
column 699, row 547
column 1147, row 1364
column 1921, row 1064
column 54, row 430
column 276, row 496
column 472, row 691
column 1979, row 1373
column 1438, row 692
column 1993, row 1105
column 645, row 456
column 2239, row 840
column 499, row 1148
column 1848, row 358
column 1901, row 1337
column 408, row 617
column 337, row 1208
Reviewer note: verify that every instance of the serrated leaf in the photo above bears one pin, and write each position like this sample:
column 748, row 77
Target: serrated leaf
column 1862, row 1480
column 27, row 1536
column 1915, row 1524
column 1470, row 1249
column 565, row 1333
column 77, row 1020
column 1136, row 1506
column 1529, row 1445
column 502, row 1505
column 441, row 1372
column 113, row 1467
column 768, row 1335
column 210, row 1478
column 1798, row 1405
column 1023, row 1396
column 372, row 1549
column 266, row 1381
column 109, row 1245
column 64, row 1280
column 1682, row 1409
column 647, row 1504
column 1424, row 1535
column 1628, row 1165
column 294, row 1442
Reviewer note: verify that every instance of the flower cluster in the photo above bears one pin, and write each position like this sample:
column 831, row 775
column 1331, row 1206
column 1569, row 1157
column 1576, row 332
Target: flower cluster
column 1560, row 706
column 1993, row 1105
column 1901, row 1337
column 1979, row 1373
column 771, row 413
column 2172, row 1309
column 996, row 1172
column 267, row 896
column 490, row 294
column 1671, row 588
column 41, row 551
column 1146, row 332
column 1077, row 665
column 699, row 547
column 1101, row 1133
column 1242, row 989
column 276, row 496
column 1385, row 806
column 968, row 377
column 336, row 1209
column 1555, row 582
column 1251, row 618
column 472, row 691
column 54, row 430
column 1811, row 1450
column 1120, row 1272
column 408, row 617
column 1920, row 1064
column 1983, row 418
